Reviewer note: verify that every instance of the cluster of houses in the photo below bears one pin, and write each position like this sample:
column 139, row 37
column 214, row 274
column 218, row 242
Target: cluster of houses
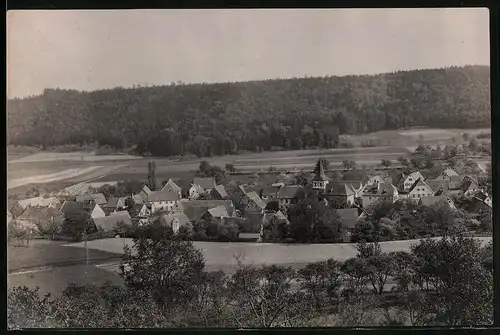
column 206, row 200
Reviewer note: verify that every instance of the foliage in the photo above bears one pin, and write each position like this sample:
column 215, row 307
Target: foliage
column 76, row 226
column 26, row 309
column 21, row 233
column 313, row 221
column 168, row 269
column 215, row 119
column 348, row 165
column 463, row 287
column 214, row 171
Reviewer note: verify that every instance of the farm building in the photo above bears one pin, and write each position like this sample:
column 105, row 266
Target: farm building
column 419, row 190
column 97, row 198
column 71, row 209
column 171, row 186
column 219, row 193
column 251, row 203
column 288, row 196
column 21, row 205
column 108, row 223
column 163, row 200
column 381, row 192
column 195, row 209
column 339, row 192
column 115, row 204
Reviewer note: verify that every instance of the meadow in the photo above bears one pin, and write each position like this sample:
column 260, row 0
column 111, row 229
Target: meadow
column 45, row 167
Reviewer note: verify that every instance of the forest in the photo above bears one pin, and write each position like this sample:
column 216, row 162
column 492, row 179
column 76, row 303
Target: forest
column 227, row 118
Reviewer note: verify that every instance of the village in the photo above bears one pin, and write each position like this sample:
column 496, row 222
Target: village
column 203, row 209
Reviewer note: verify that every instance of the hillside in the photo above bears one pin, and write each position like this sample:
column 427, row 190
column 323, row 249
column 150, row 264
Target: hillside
column 215, row 119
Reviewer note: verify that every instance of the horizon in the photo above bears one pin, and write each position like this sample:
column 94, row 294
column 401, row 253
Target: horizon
column 134, row 86
column 91, row 51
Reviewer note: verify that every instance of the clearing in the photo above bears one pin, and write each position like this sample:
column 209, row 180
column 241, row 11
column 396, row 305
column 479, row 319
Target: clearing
column 224, row 253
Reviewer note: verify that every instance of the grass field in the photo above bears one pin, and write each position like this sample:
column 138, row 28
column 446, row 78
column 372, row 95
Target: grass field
column 223, row 254
column 391, row 145
column 44, row 252
column 55, row 280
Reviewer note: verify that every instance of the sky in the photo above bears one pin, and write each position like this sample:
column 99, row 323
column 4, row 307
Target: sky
column 91, row 50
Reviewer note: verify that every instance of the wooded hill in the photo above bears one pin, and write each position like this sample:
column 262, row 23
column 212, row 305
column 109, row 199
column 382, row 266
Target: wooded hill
column 215, row 119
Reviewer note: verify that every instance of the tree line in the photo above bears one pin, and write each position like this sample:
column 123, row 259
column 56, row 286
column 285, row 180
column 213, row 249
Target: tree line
column 225, row 118
column 446, row 282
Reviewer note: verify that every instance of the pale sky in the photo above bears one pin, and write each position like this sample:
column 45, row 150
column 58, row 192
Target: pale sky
column 89, row 50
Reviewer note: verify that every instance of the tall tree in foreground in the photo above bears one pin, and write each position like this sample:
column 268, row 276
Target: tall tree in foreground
column 169, row 269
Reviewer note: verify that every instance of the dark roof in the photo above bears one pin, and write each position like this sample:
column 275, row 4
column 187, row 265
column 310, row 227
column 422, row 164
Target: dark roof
column 437, row 185
column 289, row 192
column 98, row 198
column 385, row 188
column 272, row 205
column 195, row 209
column 348, row 216
column 467, row 184
column 40, row 213
column 221, row 190
column 429, row 201
column 113, row 202
column 156, row 196
column 270, row 190
column 337, row 188
column 72, row 208
column 205, row 183
column 417, row 182
column 109, row 222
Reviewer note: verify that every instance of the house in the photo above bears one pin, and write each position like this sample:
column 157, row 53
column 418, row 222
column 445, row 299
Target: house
column 9, row 217
column 482, row 196
column 288, row 196
column 163, row 200
column 115, row 204
column 340, row 192
column 196, row 209
column 97, row 198
column 21, row 205
column 141, row 210
column 439, row 186
column 404, row 182
column 33, row 216
column 195, row 191
column 469, row 186
column 171, row 186
column 252, row 203
column 71, row 209
column 374, row 181
column 219, row 193
column 144, row 193
column 349, row 217
column 218, row 212
column 433, row 200
column 270, row 192
column 108, row 223
column 176, row 221
column 356, row 185
column 96, row 211
column 206, row 184
column 447, row 174
column 320, row 180
column 419, row 190
column 138, row 199
column 381, row 192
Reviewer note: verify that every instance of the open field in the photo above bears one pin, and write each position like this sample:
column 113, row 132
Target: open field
column 49, row 166
column 72, row 156
column 44, row 252
column 55, row 280
column 221, row 254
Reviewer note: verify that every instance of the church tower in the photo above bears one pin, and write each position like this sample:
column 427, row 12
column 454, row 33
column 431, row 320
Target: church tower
column 320, row 180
